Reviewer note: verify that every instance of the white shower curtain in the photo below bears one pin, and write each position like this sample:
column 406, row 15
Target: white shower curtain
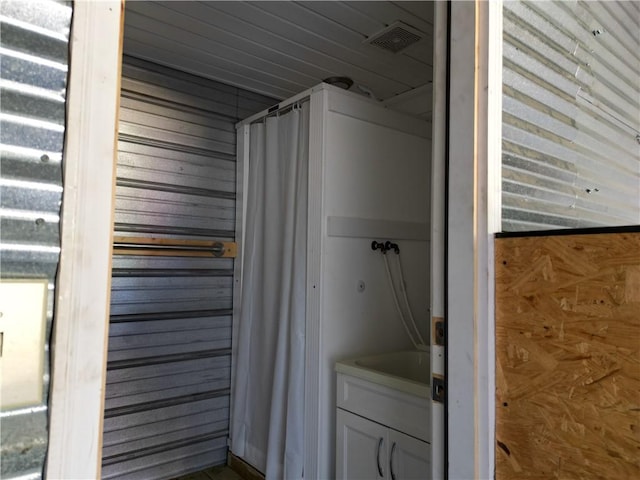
column 268, row 396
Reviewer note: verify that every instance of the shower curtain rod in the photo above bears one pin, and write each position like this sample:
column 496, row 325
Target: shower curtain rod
column 278, row 109
column 271, row 111
column 299, row 98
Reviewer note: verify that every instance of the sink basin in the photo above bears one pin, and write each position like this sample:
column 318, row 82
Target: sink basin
column 412, row 365
column 407, row 371
column 391, row 389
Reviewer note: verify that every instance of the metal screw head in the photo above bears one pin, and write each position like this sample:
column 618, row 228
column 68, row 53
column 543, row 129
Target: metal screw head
column 39, row 221
column 638, row 138
column 44, row 158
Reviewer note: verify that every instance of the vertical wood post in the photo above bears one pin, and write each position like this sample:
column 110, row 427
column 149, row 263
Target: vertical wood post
column 81, row 322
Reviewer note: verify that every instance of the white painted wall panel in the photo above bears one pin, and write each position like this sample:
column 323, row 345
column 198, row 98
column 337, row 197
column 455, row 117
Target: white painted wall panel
column 372, row 170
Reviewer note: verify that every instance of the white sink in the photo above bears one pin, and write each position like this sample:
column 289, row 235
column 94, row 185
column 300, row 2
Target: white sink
column 407, row 371
column 412, row 365
column 391, row 389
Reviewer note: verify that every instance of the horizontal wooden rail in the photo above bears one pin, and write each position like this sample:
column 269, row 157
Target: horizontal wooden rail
column 173, row 247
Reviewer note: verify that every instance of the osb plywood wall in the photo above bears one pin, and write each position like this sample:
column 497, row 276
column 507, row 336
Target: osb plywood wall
column 568, row 357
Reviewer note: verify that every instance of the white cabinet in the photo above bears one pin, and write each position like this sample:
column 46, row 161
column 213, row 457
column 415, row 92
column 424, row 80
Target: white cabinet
column 361, row 449
column 409, row 458
column 367, row 450
column 405, row 411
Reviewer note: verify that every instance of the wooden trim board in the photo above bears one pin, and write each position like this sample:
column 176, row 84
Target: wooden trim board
column 568, row 357
column 172, row 247
column 242, row 468
column 81, row 323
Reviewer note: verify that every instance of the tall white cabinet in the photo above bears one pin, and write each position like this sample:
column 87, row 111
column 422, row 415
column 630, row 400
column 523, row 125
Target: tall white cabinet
column 369, row 171
column 369, row 178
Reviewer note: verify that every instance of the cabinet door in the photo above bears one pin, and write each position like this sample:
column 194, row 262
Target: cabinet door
column 409, row 458
column 361, row 448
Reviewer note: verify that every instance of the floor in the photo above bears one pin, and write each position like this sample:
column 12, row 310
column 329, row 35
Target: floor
column 214, row 473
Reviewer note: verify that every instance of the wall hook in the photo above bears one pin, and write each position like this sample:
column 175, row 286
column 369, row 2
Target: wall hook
column 378, row 246
column 392, row 246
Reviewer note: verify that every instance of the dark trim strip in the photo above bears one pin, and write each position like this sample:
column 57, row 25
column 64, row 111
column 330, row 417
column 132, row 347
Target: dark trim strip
column 169, row 402
column 176, row 147
column 571, row 231
column 139, row 147
column 165, row 187
column 447, row 116
column 141, row 317
column 161, row 230
column 165, row 447
column 172, row 358
column 138, row 95
column 169, row 272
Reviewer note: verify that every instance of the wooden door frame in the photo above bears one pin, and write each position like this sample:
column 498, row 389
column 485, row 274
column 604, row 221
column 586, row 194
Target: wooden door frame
column 474, row 210
column 81, row 322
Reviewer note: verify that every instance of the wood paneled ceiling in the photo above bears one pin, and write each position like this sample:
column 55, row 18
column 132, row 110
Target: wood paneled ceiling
column 282, row 48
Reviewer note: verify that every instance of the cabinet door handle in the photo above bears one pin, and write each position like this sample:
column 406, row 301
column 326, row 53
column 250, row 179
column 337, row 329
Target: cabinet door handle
column 380, row 472
column 393, row 449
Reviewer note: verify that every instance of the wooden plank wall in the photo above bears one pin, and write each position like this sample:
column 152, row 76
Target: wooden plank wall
column 568, row 357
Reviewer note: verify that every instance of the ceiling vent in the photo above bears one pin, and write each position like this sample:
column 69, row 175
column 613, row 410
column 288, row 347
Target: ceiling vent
column 396, row 37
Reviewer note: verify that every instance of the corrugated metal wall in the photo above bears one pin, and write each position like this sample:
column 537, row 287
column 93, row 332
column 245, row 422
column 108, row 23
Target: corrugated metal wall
column 571, row 114
column 169, row 362
column 34, row 58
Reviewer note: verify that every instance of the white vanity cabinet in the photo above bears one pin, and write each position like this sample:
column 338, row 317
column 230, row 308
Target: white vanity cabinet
column 381, row 429
column 361, row 448
column 367, row 450
column 409, row 458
